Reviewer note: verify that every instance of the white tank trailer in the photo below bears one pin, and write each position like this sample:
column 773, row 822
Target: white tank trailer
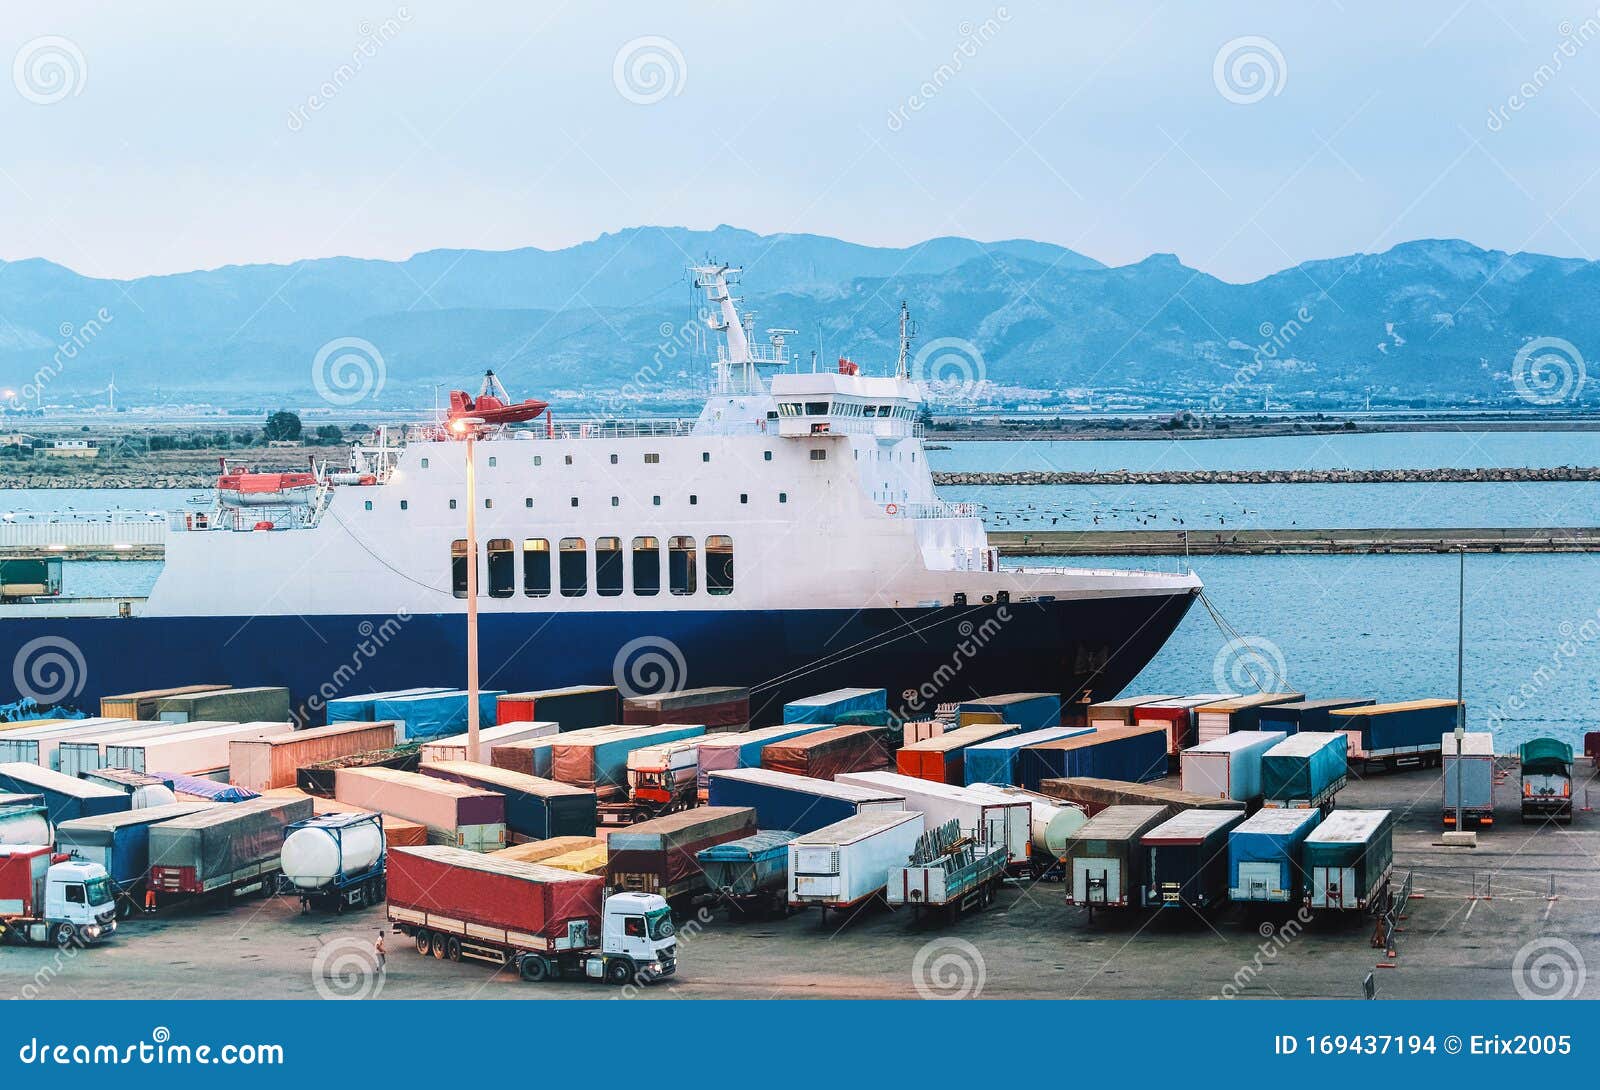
column 24, row 820
column 335, row 862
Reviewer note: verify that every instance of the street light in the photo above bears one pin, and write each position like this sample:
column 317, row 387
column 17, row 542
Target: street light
column 467, row 427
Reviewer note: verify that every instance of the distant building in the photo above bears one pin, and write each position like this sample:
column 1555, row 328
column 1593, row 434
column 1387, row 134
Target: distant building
column 72, row 448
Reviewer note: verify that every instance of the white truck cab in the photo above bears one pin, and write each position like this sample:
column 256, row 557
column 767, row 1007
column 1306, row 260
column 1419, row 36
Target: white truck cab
column 638, row 944
column 63, row 902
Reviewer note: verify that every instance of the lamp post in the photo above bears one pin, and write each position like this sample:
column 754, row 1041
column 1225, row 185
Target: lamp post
column 1461, row 647
column 467, row 428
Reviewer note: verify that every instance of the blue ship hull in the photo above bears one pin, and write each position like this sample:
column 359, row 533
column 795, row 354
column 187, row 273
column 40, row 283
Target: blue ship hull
column 939, row 654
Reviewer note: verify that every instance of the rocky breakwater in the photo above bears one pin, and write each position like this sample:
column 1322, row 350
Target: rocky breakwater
column 130, row 479
column 1510, row 475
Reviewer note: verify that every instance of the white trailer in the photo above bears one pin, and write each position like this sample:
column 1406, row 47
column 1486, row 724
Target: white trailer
column 87, row 752
column 197, row 751
column 37, row 745
column 454, row 748
column 1228, row 767
column 1469, row 778
column 989, row 817
column 845, row 864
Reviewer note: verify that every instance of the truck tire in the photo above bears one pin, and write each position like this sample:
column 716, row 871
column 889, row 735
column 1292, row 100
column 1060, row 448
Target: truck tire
column 452, row 950
column 63, row 934
column 533, row 968
column 619, row 971
column 424, row 942
column 441, row 944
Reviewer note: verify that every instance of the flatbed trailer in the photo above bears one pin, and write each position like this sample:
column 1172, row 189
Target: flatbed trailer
column 949, row 873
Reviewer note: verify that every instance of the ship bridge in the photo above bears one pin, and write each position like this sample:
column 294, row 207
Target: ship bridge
column 845, row 404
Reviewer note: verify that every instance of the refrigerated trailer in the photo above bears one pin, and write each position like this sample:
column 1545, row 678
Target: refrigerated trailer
column 1468, row 778
column 844, row 865
column 1228, row 767
column 995, row 819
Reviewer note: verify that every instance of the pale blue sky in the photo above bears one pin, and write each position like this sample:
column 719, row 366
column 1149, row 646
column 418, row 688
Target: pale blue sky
column 497, row 124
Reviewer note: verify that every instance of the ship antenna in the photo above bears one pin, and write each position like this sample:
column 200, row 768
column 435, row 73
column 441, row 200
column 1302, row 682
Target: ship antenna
column 908, row 332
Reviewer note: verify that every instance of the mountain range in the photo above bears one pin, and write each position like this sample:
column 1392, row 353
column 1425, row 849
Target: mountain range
column 1431, row 318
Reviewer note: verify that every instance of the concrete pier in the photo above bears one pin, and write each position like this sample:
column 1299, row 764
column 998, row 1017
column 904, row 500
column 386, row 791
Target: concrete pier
column 1581, row 539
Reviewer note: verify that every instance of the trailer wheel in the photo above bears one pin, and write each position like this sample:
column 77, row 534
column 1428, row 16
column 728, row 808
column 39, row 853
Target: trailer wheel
column 453, row 949
column 440, row 943
column 619, row 971
column 533, row 968
column 424, row 942
column 63, row 934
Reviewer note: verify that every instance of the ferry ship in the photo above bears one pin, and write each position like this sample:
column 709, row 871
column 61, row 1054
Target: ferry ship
column 788, row 540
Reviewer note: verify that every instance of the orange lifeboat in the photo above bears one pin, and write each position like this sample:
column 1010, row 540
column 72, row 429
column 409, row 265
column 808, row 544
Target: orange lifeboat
column 246, row 488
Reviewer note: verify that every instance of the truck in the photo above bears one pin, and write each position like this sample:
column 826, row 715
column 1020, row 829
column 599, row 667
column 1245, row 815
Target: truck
column 751, row 874
column 120, row 843
column 661, row 779
column 1348, row 860
column 1105, row 866
column 845, row 865
column 658, row 856
column 1188, row 859
column 1404, row 733
column 949, row 872
column 1304, row 771
column 547, row 924
column 1546, row 780
column 50, row 898
column 335, row 861
column 1264, row 856
column 226, row 850
column 1468, row 778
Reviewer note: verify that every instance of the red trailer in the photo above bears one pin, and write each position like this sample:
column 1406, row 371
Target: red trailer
column 824, row 754
column 942, row 757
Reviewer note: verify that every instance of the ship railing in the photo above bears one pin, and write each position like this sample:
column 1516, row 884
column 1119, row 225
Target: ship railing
column 935, row 510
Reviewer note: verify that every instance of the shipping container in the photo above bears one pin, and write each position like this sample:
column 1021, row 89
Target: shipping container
column 1188, row 859
column 275, row 760
column 1129, row 753
column 976, row 718
column 800, row 804
column 537, row 851
column 1178, row 715
column 260, row 704
column 531, row 756
column 574, row 707
column 716, row 706
column 1105, row 865
column 1094, row 795
column 36, row 745
column 512, row 904
column 536, row 808
column 600, row 760
column 454, row 747
column 828, row 752
column 234, row 847
column 1121, row 712
column 742, row 749
column 319, row 778
column 358, row 708
column 87, row 752
column 1307, row 715
column 995, row 761
column 988, row 817
column 826, row 708
column 423, row 716
column 205, row 789
column 121, row 842
column 1212, row 721
column 1348, row 858
column 659, row 856
column 1304, row 770
column 191, row 752
column 842, row 865
column 1228, row 767
column 1264, row 856
column 1029, row 711
column 751, row 873
column 143, row 705
column 465, row 817
column 65, row 797
column 397, row 832
column 1468, row 777
column 1403, row 733
column 943, row 759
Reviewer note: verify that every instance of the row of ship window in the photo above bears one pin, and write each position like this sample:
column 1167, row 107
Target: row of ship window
column 569, row 574
column 616, row 501
column 649, row 459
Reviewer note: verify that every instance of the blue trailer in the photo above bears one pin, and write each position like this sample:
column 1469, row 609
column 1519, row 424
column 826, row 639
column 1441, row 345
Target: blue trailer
column 750, row 874
column 335, row 861
column 1136, row 754
column 1404, row 733
column 1304, row 771
column 1307, row 715
column 437, row 714
column 65, row 797
column 801, row 804
column 1264, row 856
column 1030, row 711
column 995, row 761
column 120, row 843
column 827, row 707
column 358, row 708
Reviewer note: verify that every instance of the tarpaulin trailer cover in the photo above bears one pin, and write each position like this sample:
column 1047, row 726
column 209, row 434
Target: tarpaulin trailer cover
column 435, row 715
column 1409, row 725
column 826, row 753
column 535, row 807
column 995, row 761
column 492, row 891
column 574, row 707
column 601, row 760
column 264, row 763
column 1304, row 767
column 120, row 842
column 1094, row 795
column 1307, row 715
column 827, row 707
column 65, row 797
column 1264, row 855
column 942, row 757
column 742, row 749
column 1130, row 753
column 1347, row 856
column 358, row 708
column 659, row 855
column 800, row 804
column 217, row 846
column 1030, row 711
column 713, row 706
column 142, row 705
column 531, row 756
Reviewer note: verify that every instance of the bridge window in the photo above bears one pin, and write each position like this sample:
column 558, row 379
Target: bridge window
column 458, row 567
column 502, row 568
column 608, row 566
column 536, row 567
column 574, row 567
column 816, row 408
column 790, row 408
column 646, row 566
column 719, row 565
column 681, row 574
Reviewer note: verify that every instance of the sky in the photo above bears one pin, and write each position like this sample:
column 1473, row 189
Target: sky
column 1243, row 137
